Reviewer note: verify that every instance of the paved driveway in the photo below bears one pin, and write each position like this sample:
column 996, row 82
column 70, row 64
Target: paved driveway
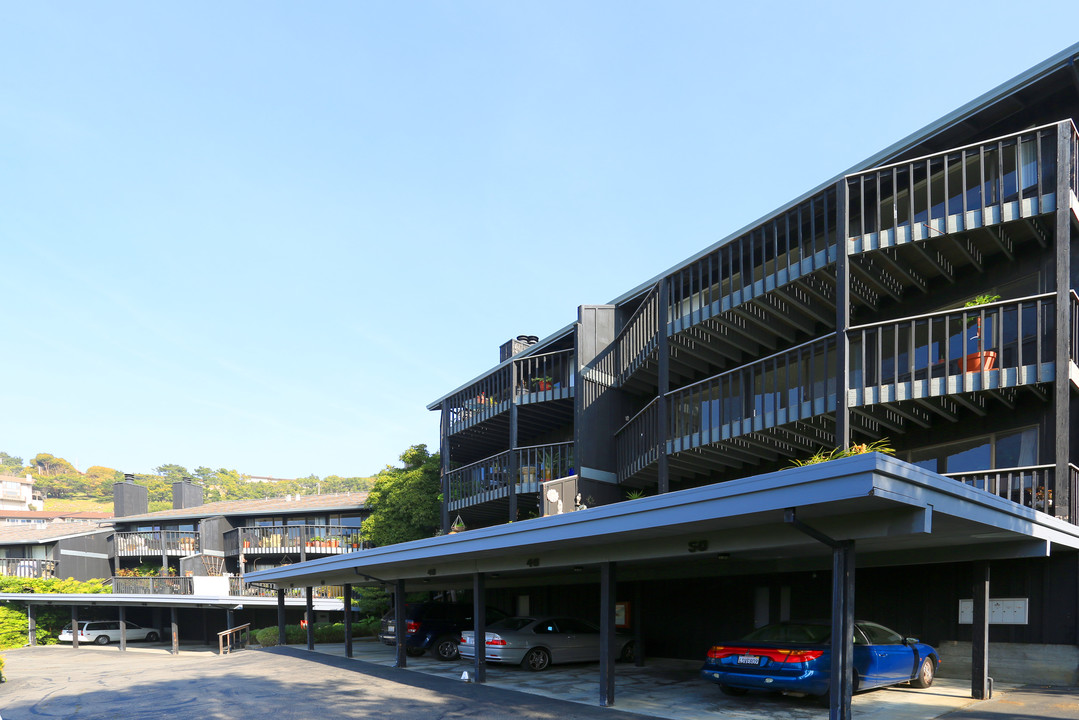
column 94, row 683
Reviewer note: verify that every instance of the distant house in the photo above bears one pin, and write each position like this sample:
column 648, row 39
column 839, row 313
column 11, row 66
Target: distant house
column 17, row 493
column 41, row 518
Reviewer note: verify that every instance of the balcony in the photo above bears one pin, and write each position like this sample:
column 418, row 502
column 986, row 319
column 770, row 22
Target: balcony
column 171, row 543
column 153, row 585
column 905, row 372
column 1033, row 487
column 488, row 480
column 976, row 186
column 237, row 586
column 1002, row 345
column 27, row 568
column 293, row 540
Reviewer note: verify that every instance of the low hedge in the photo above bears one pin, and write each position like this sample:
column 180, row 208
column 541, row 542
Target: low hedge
column 324, row 632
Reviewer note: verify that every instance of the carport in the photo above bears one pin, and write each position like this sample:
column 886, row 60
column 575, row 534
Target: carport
column 121, row 603
column 865, row 511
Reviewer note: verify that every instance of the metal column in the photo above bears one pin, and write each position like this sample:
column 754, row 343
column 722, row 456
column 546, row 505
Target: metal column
column 348, row 619
column 282, row 639
column 174, row 631
column 399, row 626
column 123, row 628
column 31, row 624
column 979, row 633
column 607, row 594
column 309, row 616
column 74, row 627
column 479, row 635
column 842, row 631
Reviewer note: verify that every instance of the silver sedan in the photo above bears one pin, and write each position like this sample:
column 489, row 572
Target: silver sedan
column 537, row 643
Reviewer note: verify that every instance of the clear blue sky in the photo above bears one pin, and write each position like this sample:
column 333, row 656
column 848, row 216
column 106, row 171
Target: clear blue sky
column 264, row 235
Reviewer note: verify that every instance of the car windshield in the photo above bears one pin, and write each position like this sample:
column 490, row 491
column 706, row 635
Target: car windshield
column 791, row 633
column 512, row 623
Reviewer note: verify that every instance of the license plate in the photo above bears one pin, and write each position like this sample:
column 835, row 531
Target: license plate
column 390, row 628
column 749, row 659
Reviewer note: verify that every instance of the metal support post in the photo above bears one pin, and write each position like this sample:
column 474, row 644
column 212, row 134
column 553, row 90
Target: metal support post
column 31, row 624
column 607, row 595
column 74, row 627
column 842, row 686
column 479, row 635
column 663, row 352
column 979, row 633
column 174, row 631
column 348, row 619
column 309, row 616
column 399, row 624
column 282, row 638
column 123, row 628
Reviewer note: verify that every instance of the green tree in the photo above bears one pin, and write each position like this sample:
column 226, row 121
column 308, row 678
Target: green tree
column 10, row 465
column 404, row 501
column 48, row 465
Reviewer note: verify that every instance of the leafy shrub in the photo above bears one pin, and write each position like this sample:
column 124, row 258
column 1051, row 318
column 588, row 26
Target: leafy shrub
column 50, row 620
column 324, row 632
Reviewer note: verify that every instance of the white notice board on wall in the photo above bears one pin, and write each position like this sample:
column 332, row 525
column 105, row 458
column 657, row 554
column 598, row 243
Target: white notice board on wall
column 1002, row 611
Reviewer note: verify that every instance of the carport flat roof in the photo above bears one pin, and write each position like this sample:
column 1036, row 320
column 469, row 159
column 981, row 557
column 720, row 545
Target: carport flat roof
column 224, row 602
column 897, row 513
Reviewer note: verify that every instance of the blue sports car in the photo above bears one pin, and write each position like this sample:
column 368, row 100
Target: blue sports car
column 796, row 658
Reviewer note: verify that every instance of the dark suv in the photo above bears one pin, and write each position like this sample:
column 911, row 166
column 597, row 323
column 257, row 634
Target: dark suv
column 434, row 625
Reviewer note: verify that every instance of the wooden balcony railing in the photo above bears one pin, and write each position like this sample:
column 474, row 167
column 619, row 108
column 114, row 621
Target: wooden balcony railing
column 293, row 539
column 153, row 586
column 238, row 587
column 790, row 245
column 987, row 183
column 637, row 443
column 1003, row 344
column 549, row 376
column 482, row 400
column 489, row 478
column 27, row 568
column 179, row 543
column 1033, row 487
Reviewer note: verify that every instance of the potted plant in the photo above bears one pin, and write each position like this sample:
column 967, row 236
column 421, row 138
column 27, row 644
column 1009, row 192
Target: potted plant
column 539, row 384
column 980, row 359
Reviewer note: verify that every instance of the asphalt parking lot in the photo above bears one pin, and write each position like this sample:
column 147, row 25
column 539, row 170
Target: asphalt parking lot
column 95, row 683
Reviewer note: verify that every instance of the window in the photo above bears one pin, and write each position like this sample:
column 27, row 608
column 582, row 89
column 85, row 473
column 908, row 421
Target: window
column 880, row 635
column 1014, row 448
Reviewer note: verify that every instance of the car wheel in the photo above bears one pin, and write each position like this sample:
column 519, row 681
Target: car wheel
column 446, row 648
column 925, row 675
column 102, row 640
column 151, row 636
column 536, row 659
column 629, row 652
column 728, row 690
column 414, row 652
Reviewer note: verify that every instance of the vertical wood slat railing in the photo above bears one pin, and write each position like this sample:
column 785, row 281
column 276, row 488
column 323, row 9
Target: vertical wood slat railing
column 954, row 190
column 286, row 539
column 1031, row 487
column 788, row 246
column 157, row 542
column 932, row 354
column 238, row 587
column 637, row 443
column 152, row 585
column 482, row 400
column 27, row 568
column 631, row 348
column 796, row 384
column 535, row 464
column 547, row 376
column 237, row 638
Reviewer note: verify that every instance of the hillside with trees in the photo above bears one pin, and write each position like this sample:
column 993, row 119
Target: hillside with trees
column 58, row 479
